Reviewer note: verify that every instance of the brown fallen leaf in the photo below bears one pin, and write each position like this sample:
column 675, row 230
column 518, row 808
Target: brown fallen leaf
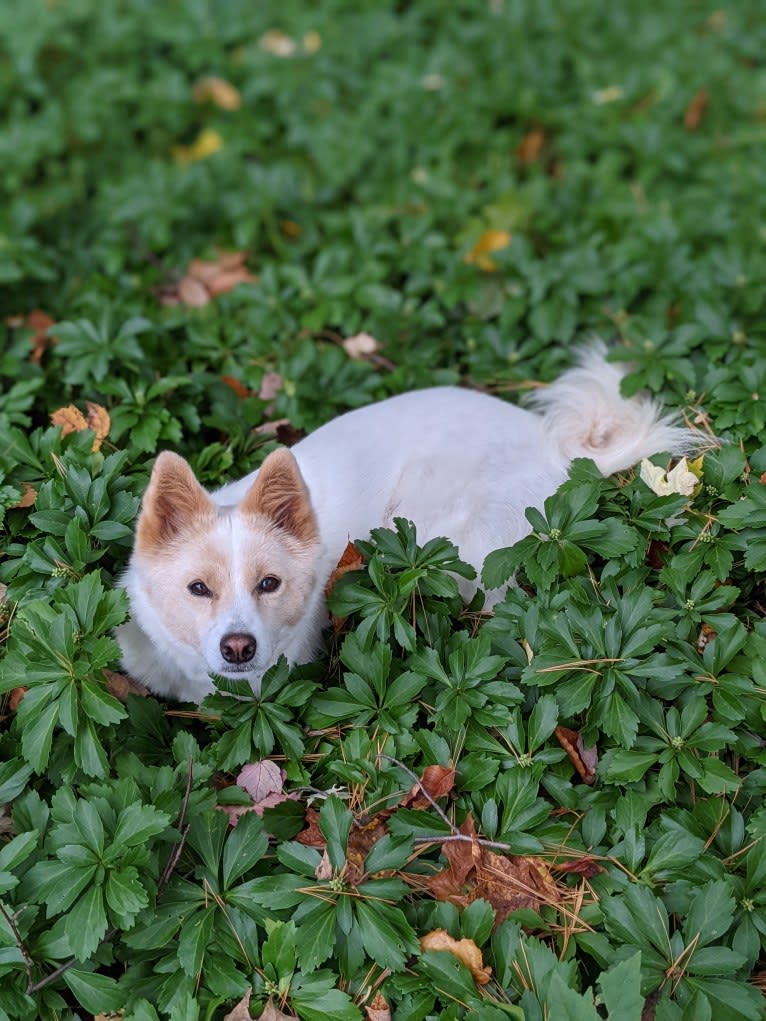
column 121, row 686
column 437, row 781
column 263, row 782
column 206, row 279
column 583, row 759
column 378, row 1010
column 586, row 865
column 323, row 871
column 239, row 388
column 529, row 149
column 465, row 950
column 14, row 698
column 192, row 292
column 28, row 496
column 217, row 91
column 99, row 421
column 270, row 386
column 40, row 322
column 696, row 109
column 351, row 560
column 241, row 1011
column 70, row 418
column 311, row 835
column 508, row 882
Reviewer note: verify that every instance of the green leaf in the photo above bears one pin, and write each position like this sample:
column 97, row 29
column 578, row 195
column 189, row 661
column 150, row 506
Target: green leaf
column 97, row 993
column 335, row 823
column 245, row 845
column 620, row 988
column 86, row 923
column 194, row 939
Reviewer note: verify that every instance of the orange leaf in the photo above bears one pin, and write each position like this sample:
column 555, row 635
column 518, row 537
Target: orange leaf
column 99, row 421
column 217, row 91
column 351, row 560
column 464, row 949
column 70, row 418
column 239, row 388
column 696, row 109
column 490, row 241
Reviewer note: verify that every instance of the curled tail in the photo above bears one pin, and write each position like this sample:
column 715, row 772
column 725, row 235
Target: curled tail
column 586, row 416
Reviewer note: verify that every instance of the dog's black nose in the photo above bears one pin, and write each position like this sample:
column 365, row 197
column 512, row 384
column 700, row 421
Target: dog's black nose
column 238, row 648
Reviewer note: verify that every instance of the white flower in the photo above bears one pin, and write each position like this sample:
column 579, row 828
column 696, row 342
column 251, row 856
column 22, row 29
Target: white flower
column 679, row 480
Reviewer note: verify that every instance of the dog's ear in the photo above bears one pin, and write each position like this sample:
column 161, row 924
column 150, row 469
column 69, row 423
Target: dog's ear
column 280, row 494
column 173, row 500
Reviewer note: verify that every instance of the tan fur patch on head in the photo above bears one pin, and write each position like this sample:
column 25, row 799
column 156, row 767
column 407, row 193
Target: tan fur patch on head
column 174, row 501
column 280, row 494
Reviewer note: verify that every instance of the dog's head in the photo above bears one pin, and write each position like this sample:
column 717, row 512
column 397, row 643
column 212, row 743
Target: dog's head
column 225, row 590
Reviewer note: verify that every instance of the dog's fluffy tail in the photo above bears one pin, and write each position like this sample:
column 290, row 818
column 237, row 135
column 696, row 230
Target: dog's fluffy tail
column 586, row 416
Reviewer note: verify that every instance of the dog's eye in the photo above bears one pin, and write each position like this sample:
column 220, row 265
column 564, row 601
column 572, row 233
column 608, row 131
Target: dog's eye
column 199, row 588
column 269, row 584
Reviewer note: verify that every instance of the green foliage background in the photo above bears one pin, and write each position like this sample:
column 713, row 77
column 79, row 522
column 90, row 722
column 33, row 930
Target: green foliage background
column 392, row 147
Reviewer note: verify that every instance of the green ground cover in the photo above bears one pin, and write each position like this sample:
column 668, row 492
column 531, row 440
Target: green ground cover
column 477, row 186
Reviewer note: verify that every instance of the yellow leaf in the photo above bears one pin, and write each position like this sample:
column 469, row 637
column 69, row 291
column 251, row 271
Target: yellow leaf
column 206, row 144
column 491, row 240
column 217, row 91
column 464, row 949
column 312, row 41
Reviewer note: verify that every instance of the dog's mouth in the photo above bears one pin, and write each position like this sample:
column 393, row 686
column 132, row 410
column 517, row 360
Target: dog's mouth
column 237, row 668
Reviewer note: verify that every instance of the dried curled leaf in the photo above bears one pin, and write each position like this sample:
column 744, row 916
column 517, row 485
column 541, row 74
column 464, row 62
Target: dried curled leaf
column 583, row 759
column 464, row 949
column 241, row 1011
column 217, row 91
column 70, row 418
column 99, row 421
column 378, row 1009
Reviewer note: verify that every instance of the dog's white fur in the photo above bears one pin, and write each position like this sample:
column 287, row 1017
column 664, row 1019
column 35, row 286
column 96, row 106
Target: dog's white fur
column 458, row 463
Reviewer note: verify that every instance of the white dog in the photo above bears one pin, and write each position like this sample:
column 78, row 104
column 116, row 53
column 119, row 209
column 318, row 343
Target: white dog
column 228, row 582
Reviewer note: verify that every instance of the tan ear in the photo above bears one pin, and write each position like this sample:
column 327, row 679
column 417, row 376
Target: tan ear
column 173, row 500
column 280, row 493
